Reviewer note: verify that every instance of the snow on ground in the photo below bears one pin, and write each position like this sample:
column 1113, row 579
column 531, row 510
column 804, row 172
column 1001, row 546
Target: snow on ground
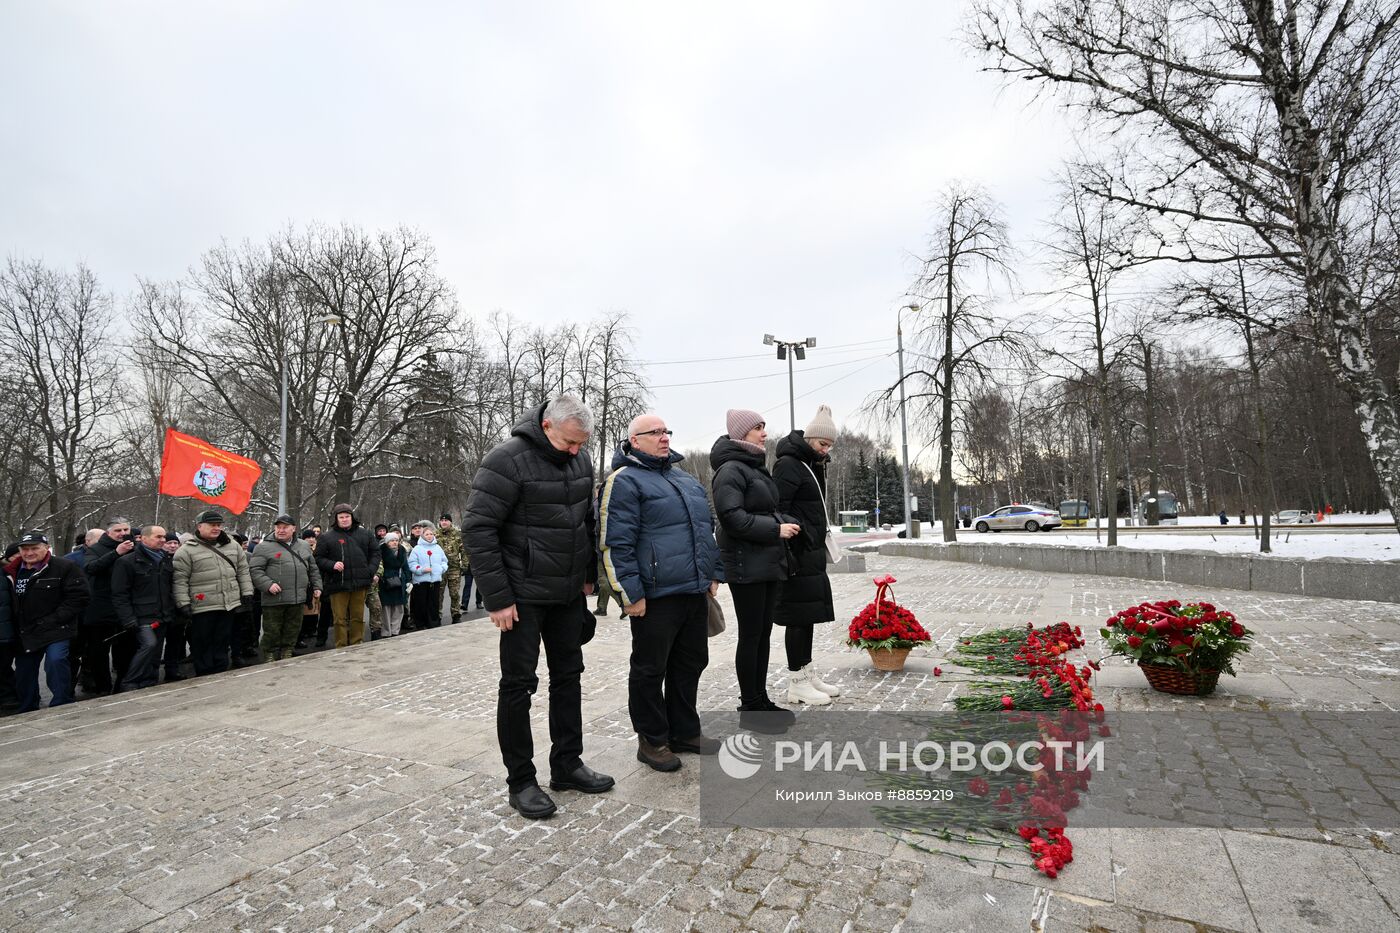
column 1341, row 518
column 1385, row 546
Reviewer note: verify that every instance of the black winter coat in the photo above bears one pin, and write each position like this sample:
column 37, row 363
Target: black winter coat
column 101, row 560
column 529, row 527
column 746, row 502
column 806, row 597
column 52, row 603
column 355, row 547
column 143, row 590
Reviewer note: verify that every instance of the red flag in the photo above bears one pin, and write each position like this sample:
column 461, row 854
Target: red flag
column 192, row 467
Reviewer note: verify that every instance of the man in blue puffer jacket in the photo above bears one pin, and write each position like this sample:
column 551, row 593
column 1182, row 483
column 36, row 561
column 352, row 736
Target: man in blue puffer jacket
column 659, row 550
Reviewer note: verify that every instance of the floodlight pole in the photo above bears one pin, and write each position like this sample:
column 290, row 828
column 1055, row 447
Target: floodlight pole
column 787, row 349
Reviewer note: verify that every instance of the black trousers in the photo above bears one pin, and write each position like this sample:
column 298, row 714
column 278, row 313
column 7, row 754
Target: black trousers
column 107, row 650
column 9, row 694
column 754, row 605
column 425, row 604
column 211, row 640
column 560, row 627
column 798, row 641
column 670, row 649
column 174, row 646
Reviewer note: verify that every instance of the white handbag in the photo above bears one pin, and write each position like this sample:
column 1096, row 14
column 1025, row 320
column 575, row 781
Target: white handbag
column 833, row 553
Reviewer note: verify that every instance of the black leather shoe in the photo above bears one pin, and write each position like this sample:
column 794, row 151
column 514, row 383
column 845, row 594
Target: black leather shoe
column 697, row 745
column 582, row 778
column 533, row 803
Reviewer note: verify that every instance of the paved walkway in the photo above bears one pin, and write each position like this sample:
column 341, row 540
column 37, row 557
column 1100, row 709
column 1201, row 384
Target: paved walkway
column 361, row 789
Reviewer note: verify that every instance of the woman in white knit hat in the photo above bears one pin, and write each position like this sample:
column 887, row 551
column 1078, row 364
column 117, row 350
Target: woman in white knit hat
column 805, row 601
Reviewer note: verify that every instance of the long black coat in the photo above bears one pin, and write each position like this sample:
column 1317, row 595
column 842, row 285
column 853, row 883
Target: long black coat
column 529, row 527
column 746, row 501
column 52, row 603
column 806, row 597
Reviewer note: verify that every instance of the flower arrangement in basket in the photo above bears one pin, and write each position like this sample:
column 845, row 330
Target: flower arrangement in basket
column 886, row 629
column 1181, row 648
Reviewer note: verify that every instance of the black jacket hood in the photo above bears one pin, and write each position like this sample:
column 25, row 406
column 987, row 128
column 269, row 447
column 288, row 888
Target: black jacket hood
column 532, row 430
column 795, row 445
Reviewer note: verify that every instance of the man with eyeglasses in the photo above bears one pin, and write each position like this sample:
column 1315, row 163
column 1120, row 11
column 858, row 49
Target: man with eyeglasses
column 107, row 648
column 659, row 552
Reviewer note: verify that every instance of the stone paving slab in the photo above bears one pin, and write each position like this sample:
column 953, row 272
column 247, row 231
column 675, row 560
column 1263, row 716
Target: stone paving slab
column 361, row 789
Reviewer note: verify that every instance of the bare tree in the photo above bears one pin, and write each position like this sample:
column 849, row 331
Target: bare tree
column 969, row 256
column 352, row 316
column 1089, row 246
column 60, row 352
column 620, row 390
column 1253, row 131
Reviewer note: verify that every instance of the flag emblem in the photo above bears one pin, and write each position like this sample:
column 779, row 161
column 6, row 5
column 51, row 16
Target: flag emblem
column 211, row 479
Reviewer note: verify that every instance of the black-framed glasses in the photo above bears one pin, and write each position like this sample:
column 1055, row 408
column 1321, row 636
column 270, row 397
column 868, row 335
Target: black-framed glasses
column 655, row 432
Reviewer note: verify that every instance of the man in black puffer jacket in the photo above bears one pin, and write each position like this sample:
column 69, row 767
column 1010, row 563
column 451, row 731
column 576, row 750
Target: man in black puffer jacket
column 347, row 554
column 529, row 532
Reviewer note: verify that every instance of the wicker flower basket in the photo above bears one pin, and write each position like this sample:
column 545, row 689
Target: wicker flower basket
column 1168, row 679
column 888, row 659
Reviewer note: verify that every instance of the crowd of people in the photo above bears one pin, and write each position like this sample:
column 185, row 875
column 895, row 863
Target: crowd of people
column 129, row 607
column 539, row 537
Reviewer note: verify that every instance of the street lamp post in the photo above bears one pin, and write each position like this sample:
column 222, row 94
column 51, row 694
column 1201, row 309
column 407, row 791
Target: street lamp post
column 787, row 350
column 903, row 419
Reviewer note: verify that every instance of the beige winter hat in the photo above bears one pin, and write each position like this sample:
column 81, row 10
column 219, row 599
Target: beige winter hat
column 822, row 428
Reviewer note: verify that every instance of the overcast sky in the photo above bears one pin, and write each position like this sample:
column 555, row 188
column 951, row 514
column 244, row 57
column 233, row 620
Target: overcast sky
column 719, row 171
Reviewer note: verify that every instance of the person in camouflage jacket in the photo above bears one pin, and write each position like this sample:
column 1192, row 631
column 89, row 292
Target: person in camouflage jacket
column 449, row 539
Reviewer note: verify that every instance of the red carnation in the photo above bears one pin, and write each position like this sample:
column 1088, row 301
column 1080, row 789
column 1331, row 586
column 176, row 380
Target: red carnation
column 1134, row 641
column 978, row 787
column 938, row 672
column 1236, row 629
column 199, row 596
column 278, row 554
column 1007, row 702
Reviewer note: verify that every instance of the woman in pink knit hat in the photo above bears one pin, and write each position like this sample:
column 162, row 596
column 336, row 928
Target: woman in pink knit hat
column 753, row 536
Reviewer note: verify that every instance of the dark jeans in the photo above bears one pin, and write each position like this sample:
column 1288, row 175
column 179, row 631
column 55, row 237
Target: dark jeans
column 798, row 641
column 560, row 627
column 425, row 604
column 467, row 589
column 55, row 658
column 754, row 604
column 142, row 670
column 670, row 649
column 211, row 640
column 174, row 646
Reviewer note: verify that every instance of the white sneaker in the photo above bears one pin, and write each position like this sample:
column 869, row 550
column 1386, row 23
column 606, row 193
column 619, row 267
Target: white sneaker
column 800, row 690
column 830, row 690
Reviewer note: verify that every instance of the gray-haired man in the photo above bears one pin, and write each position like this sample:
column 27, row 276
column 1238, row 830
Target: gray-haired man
column 528, row 530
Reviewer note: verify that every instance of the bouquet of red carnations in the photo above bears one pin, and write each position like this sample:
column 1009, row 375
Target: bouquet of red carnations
column 884, row 624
